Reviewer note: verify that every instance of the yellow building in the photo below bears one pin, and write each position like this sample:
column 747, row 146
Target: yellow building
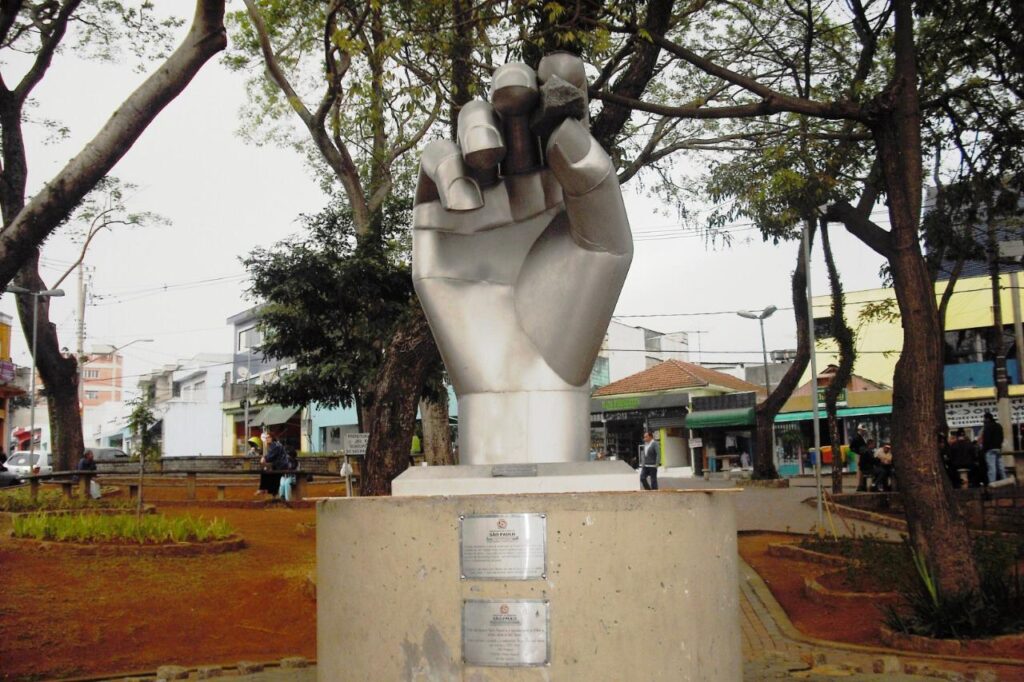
column 968, row 343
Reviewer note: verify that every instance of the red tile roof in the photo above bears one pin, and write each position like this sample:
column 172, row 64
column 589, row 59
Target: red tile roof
column 674, row 374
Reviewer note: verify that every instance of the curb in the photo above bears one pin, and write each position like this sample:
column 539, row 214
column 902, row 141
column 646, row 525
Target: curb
column 788, row 630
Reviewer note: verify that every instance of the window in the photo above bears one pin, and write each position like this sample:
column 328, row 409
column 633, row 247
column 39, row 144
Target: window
column 199, row 386
column 823, row 328
column 249, row 338
column 91, row 374
column 92, row 395
column 599, row 375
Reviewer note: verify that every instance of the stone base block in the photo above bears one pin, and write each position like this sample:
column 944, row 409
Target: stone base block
column 552, row 477
column 636, row 586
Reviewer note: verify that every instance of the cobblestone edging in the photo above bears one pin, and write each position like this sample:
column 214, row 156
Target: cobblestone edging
column 787, row 551
column 819, row 594
column 942, row 647
column 230, row 544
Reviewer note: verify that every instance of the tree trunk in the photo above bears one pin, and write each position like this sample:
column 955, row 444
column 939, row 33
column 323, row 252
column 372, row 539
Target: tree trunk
column 59, row 372
column 764, row 465
column 847, row 354
column 391, row 402
column 937, row 527
column 437, row 434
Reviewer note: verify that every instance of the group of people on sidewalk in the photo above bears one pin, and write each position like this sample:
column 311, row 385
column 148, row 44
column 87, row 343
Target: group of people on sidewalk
column 873, row 463
column 974, row 464
column 967, row 463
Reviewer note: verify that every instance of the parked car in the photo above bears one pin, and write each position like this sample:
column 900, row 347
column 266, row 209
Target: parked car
column 109, row 455
column 18, row 463
column 8, row 478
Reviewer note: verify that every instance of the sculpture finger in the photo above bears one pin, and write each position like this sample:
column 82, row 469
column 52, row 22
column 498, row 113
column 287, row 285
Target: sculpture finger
column 444, row 177
column 483, row 147
column 593, row 199
column 514, row 95
column 567, row 68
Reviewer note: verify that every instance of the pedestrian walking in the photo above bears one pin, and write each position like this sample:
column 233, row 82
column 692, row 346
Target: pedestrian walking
column 649, row 461
column 859, row 447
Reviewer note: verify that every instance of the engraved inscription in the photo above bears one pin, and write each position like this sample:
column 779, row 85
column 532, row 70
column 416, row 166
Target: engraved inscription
column 504, row 547
column 512, row 633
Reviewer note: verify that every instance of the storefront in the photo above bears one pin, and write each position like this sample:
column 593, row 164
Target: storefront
column 723, row 429
column 618, row 425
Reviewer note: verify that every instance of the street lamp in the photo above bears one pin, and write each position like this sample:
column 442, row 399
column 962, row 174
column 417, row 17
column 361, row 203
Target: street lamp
column 36, row 295
column 760, row 317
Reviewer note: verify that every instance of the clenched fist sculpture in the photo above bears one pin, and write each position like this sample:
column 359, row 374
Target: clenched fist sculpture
column 520, row 249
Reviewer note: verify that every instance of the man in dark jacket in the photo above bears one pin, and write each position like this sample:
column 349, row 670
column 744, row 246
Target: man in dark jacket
column 649, row 461
column 992, row 442
column 961, row 458
column 859, row 448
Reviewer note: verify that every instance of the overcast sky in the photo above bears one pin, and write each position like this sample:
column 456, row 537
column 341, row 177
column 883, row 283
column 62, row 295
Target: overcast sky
column 177, row 284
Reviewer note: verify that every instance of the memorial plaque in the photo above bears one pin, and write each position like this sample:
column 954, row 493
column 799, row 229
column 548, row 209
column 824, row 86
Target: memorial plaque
column 503, row 547
column 506, row 634
column 513, row 470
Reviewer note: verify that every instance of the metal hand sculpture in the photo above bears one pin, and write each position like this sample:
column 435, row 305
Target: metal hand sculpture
column 518, row 265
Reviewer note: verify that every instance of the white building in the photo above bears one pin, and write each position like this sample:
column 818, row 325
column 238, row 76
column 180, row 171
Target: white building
column 628, row 350
column 187, row 402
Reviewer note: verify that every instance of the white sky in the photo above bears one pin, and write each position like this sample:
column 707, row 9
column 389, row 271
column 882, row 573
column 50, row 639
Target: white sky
column 225, row 197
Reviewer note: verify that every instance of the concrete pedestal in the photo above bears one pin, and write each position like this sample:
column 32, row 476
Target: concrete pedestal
column 638, row 586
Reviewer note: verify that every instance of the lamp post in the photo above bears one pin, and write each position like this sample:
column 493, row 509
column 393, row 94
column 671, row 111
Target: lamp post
column 45, row 293
column 760, row 317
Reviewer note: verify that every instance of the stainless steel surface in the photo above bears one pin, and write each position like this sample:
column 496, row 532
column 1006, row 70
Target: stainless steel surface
column 503, row 546
column 506, row 634
column 519, row 279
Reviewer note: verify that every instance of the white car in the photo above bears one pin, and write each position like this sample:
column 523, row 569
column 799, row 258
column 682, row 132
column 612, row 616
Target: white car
column 18, row 463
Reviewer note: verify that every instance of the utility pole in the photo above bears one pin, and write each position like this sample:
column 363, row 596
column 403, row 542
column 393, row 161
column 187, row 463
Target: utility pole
column 80, row 334
column 1001, row 379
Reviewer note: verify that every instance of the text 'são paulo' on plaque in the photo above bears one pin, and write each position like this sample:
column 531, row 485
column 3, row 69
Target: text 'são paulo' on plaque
column 505, row 633
column 504, row 547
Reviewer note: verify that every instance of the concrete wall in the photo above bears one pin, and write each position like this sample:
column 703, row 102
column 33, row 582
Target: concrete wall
column 642, row 586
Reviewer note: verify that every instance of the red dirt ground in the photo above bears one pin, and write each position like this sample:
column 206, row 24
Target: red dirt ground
column 64, row 615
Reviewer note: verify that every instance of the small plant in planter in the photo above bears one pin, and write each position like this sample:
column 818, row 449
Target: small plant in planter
column 121, row 528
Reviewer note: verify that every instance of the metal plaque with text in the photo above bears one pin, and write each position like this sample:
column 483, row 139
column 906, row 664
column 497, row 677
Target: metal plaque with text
column 512, row 633
column 503, row 547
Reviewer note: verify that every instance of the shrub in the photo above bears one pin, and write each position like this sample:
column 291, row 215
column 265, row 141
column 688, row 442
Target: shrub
column 54, row 500
column 997, row 609
column 120, row 528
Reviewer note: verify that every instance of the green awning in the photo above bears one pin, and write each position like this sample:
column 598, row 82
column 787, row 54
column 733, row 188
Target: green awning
column 743, row 416
column 841, row 412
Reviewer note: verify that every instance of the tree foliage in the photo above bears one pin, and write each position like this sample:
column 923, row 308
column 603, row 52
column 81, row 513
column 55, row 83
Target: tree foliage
column 331, row 304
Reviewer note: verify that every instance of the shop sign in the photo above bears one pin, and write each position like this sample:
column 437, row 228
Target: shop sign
column 840, row 399
column 619, row 404
column 968, row 413
column 6, row 372
column 355, row 443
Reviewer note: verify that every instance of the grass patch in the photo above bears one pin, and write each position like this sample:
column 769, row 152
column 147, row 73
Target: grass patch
column 120, row 528
column 873, row 560
column 53, row 500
